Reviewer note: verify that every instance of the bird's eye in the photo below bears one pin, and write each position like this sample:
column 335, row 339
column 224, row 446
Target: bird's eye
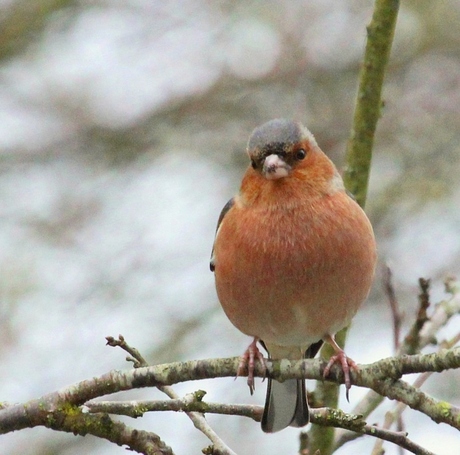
column 300, row 154
column 253, row 164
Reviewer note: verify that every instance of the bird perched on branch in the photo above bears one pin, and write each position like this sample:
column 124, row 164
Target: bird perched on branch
column 294, row 257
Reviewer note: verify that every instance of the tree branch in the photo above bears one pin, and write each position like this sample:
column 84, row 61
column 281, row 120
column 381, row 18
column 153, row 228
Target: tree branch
column 395, row 415
column 56, row 414
column 358, row 157
column 396, row 314
column 412, row 341
column 190, row 403
column 382, row 376
column 319, row 416
column 198, row 419
column 380, row 34
column 67, row 409
column 443, row 312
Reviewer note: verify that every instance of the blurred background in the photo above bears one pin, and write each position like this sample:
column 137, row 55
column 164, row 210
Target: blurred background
column 123, row 126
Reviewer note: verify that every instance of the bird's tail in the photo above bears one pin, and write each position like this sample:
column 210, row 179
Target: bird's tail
column 286, row 404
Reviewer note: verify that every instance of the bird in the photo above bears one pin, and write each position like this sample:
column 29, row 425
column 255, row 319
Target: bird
column 293, row 258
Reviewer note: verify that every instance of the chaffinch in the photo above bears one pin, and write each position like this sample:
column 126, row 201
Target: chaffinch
column 294, row 257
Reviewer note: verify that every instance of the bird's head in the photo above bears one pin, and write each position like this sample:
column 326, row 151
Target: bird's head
column 278, row 147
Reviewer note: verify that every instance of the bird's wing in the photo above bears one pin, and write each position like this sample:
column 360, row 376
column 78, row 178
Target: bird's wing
column 313, row 349
column 224, row 211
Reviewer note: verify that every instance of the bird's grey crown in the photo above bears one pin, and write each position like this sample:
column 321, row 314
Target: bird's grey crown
column 275, row 133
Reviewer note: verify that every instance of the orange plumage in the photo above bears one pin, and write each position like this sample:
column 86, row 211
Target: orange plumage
column 294, row 257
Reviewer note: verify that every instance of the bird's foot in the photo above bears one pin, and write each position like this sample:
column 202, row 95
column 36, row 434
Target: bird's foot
column 345, row 362
column 248, row 360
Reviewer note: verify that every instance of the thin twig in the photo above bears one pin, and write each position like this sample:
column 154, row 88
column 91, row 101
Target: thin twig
column 136, row 358
column 220, row 448
column 443, row 312
column 394, row 305
column 397, row 321
column 395, row 415
column 190, row 403
column 200, row 423
column 412, row 341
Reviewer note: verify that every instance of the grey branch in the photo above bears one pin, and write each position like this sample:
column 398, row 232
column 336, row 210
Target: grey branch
column 382, row 376
column 193, row 404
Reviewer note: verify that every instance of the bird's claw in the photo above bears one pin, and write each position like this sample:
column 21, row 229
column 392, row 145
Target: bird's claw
column 346, row 363
column 248, row 360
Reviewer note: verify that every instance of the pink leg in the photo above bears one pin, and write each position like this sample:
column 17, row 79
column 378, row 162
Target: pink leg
column 248, row 360
column 340, row 357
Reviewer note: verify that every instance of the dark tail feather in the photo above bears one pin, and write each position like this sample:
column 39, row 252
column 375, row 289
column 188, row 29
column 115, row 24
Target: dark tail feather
column 286, row 404
column 302, row 413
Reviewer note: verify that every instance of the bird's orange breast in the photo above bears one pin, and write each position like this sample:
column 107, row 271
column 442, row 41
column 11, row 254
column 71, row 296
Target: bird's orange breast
column 290, row 273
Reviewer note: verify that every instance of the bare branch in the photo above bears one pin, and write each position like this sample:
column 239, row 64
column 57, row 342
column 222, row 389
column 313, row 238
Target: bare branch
column 198, row 419
column 64, row 410
column 381, row 376
column 443, row 312
column 412, row 341
column 395, row 415
column 319, row 416
column 394, row 305
column 62, row 416
column 190, row 403
column 136, row 358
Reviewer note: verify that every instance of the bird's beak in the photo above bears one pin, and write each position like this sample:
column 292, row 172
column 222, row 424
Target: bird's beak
column 275, row 167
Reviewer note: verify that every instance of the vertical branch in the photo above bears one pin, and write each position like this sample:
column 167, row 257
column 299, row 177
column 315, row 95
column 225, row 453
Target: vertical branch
column 380, row 33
